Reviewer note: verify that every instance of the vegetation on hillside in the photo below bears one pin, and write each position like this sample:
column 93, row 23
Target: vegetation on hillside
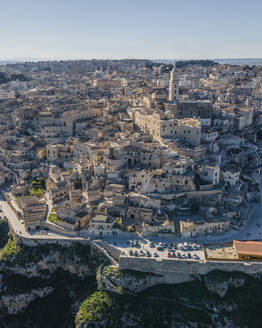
column 112, row 271
column 11, row 249
column 96, row 307
column 25, row 255
column 53, row 218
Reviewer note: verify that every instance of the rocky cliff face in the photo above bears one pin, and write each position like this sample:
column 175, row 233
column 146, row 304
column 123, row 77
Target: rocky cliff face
column 126, row 281
column 44, row 287
column 221, row 287
column 218, row 299
column 48, row 265
column 13, row 304
column 42, row 261
column 59, row 275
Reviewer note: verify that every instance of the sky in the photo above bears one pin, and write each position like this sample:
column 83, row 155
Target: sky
column 153, row 29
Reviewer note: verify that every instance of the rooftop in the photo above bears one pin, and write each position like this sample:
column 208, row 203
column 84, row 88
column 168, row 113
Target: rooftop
column 248, row 247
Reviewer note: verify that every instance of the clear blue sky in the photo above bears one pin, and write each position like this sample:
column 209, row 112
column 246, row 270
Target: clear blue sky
column 64, row 29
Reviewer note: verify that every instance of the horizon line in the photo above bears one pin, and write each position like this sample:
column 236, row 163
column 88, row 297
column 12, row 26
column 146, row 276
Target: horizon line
column 32, row 59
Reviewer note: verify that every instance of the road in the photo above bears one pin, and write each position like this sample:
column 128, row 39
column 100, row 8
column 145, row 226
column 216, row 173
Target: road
column 19, row 228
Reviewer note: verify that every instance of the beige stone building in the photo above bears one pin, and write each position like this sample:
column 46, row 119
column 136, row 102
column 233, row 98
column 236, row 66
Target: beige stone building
column 190, row 109
column 102, row 225
column 58, row 152
column 107, row 83
column 161, row 126
column 33, row 211
column 201, row 227
column 158, row 182
column 156, row 228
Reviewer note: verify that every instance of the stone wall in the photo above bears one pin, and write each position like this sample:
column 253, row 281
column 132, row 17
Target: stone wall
column 181, row 271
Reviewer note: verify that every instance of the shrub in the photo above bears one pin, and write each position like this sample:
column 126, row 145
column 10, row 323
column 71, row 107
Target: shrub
column 95, row 307
column 53, row 218
column 118, row 221
column 10, row 249
column 37, row 191
column 112, row 271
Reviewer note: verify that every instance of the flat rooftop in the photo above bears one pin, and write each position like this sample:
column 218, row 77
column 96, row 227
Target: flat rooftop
column 248, row 247
column 220, row 252
column 188, row 122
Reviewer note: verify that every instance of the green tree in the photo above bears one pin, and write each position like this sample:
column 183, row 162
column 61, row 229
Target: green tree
column 96, row 307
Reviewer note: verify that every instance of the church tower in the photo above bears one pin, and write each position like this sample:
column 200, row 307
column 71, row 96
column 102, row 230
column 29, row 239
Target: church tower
column 173, row 90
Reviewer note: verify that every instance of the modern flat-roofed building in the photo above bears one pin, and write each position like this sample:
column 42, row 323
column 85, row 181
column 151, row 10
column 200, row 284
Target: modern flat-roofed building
column 248, row 250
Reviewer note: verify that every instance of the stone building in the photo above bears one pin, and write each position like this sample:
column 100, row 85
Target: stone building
column 33, row 211
column 190, row 109
column 102, row 225
column 161, row 126
column 201, row 227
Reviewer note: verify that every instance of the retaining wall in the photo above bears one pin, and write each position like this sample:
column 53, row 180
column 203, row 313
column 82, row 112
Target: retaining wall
column 185, row 270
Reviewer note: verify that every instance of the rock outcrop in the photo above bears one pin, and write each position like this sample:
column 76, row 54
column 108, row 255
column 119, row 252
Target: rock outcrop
column 43, row 261
column 13, row 304
column 221, row 287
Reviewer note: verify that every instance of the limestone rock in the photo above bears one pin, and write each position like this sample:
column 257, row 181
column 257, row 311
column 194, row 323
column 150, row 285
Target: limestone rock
column 13, row 304
column 221, row 287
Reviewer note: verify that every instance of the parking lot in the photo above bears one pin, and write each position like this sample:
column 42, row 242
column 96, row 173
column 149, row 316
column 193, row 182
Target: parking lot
column 162, row 250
